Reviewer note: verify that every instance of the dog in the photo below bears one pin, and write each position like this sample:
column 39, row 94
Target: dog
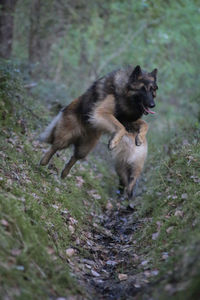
column 129, row 159
column 119, row 97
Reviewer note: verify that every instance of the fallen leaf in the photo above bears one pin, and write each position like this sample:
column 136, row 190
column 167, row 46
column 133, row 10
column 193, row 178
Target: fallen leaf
column 73, row 221
column 178, row 213
column 55, row 206
column 169, row 229
column 70, row 252
column 155, row 272
column 88, row 266
column 94, row 194
column 79, row 181
column 137, row 285
column 165, row 255
column 77, row 241
column 20, row 268
column 136, row 257
column 4, row 223
column 109, row 205
column 16, row 252
column 122, row 277
column 144, row 262
column 155, row 235
column 50, row 250
column 147, row 273
column 184, row 196
column 94, row 273
column 71, row 229
column 111, row 263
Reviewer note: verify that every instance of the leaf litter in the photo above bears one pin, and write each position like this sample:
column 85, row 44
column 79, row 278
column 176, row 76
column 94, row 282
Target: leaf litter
column 112, row 269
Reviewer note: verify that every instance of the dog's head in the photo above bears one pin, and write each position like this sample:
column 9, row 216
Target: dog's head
column 143, row 86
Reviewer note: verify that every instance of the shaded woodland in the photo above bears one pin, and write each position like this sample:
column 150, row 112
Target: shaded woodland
column 76, row 239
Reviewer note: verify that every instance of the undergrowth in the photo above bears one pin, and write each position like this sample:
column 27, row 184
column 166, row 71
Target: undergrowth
column 169, row 238
column 40, row 215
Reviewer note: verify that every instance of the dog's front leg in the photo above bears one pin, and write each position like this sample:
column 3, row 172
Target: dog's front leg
column 118, row 132
column 103, row 119
column 142, row 131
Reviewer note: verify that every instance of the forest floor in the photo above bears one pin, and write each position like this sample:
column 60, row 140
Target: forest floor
column 115, row 269
column 76, row 239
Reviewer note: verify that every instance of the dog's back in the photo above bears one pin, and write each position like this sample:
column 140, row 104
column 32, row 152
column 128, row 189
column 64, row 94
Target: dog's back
column 129, row 159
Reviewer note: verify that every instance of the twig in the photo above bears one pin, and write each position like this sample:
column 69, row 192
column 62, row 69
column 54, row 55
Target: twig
column 30, row 85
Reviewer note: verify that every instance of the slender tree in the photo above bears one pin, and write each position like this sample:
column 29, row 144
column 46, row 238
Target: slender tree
column 7, row 8
column 34, row 35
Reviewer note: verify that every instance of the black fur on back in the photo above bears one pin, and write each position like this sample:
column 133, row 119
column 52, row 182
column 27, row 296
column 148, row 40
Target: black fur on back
column 128, row 108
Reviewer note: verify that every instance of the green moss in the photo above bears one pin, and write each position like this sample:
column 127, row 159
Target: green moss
column 172, row 205
column 35, row 205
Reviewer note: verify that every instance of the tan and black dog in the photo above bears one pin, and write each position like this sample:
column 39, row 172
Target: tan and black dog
column 129, row 159
column 113, row 100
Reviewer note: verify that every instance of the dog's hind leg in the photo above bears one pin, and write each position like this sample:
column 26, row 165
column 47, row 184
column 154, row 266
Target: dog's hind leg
column 133, row 174
column 82, row 147
column 68, row 166
column 48, row 155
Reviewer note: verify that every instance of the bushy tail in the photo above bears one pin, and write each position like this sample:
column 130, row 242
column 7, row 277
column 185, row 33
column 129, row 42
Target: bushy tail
column 47, row 135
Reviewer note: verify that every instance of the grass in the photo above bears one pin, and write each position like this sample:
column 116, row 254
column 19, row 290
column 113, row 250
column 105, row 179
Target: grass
column 42, row 216
column 36, row 207
column 171, row 204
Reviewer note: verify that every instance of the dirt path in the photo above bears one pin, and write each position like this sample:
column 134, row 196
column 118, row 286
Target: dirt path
column 113, row 270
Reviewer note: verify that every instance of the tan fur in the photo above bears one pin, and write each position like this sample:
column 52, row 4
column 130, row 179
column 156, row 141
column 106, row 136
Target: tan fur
column 129, row 158
column 68, row 130
column 103, row 118
column 105, row 107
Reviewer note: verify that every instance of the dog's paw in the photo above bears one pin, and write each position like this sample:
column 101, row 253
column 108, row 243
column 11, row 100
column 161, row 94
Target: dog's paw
column 112, row 144
column 138, row 140
column 43, row 162
column 63, row 174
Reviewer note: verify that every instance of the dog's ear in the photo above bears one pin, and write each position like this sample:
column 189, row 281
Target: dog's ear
column 136, row 73
column 154, row 73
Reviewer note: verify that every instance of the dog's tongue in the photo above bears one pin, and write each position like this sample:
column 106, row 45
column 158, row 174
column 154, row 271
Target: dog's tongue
column 149, row 111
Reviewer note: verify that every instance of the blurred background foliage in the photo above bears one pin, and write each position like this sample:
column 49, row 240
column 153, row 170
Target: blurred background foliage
column 71, row 43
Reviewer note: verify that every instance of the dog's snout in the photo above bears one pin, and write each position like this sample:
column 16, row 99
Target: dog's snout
column 152, row 104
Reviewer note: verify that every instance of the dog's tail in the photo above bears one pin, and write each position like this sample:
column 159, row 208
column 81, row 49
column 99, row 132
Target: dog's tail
column 47, row 135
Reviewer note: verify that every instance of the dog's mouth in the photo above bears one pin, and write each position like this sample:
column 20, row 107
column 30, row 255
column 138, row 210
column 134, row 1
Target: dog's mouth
column 147, row 110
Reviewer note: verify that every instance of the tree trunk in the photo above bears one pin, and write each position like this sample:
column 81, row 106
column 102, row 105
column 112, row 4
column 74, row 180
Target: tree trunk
column 34, row 34
column 7, row 8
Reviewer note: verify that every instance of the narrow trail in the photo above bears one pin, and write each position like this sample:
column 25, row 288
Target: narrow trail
column 114, row 270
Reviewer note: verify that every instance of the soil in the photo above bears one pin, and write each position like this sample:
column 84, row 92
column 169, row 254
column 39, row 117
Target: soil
column 113, row 269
